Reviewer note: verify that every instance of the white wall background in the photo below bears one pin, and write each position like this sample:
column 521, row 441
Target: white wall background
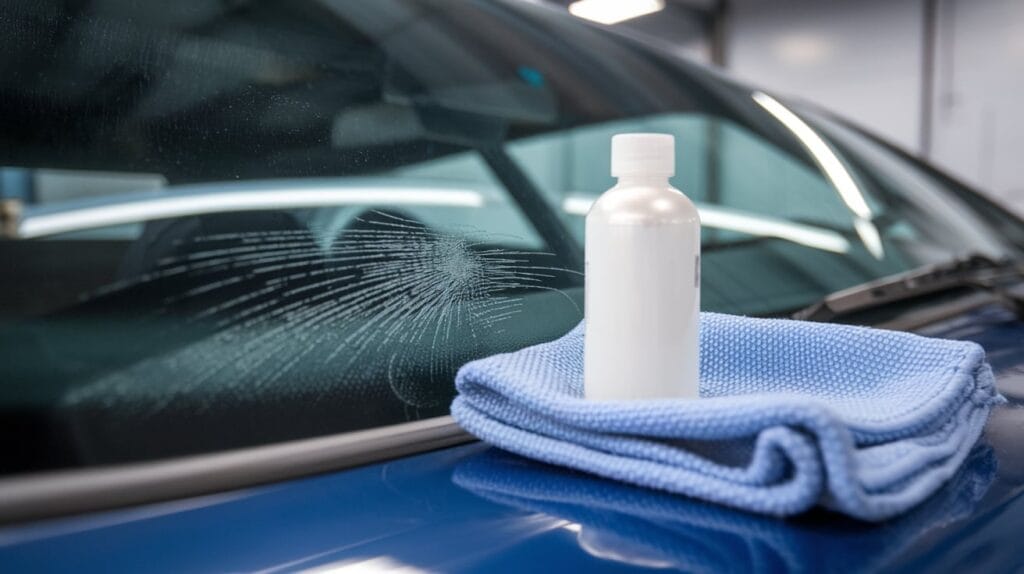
column 978, row 109
column 861, row 59
column 865, row 59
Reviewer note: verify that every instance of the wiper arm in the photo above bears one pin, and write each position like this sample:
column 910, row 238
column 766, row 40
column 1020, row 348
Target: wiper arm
column 975, row 271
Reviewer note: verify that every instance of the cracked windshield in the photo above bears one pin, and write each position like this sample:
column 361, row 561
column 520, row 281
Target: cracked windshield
column 227, row 224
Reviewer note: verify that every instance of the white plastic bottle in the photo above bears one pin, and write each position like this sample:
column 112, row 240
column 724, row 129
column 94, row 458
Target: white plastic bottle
column 642, row 279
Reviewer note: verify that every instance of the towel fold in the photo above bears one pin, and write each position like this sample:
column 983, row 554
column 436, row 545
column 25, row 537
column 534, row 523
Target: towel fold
column 650, row 528
column 863, row 421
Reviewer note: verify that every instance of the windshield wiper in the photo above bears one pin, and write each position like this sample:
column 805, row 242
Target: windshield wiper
column 971, row 272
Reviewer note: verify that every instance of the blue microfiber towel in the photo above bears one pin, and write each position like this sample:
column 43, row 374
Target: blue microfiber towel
column 863, row 421
column 647, row 527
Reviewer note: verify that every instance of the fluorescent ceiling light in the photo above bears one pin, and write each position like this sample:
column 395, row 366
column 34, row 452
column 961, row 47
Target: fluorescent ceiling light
column 803, row 49
column 743, row 222
column 832, row 167
column 614, row 11
column 149, row 208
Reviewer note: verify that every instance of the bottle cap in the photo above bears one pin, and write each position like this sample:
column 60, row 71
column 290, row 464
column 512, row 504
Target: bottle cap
column 643, row 154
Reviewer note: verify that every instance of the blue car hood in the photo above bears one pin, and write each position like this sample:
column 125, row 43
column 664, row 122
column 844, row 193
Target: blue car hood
column 473, row 508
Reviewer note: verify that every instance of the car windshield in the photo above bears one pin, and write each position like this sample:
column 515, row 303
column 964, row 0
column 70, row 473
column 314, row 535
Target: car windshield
column 227, row 224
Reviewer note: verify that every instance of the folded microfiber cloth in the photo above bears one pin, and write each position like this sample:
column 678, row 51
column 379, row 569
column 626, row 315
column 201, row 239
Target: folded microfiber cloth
column 863, row 421
column 647, row 527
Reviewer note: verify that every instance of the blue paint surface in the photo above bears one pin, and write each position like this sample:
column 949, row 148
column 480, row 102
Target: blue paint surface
column 503, row 513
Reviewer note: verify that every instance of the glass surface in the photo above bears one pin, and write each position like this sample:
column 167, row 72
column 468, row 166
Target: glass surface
column 769, row 209
column 229, row 224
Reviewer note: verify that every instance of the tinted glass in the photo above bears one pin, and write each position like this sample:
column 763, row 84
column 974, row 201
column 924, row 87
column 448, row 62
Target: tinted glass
column 245, row 223
column 779, row 230
column 227, row 224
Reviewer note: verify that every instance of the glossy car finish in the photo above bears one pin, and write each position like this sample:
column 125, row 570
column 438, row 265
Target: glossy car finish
column 473, row 508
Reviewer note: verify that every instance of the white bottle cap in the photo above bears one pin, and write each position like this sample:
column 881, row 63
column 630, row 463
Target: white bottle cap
column 643, row 154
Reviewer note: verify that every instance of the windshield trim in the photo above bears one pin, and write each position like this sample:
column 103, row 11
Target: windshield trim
column 63, row 492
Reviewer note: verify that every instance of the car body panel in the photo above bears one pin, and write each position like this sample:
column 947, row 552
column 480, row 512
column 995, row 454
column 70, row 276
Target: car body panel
column 410, row 515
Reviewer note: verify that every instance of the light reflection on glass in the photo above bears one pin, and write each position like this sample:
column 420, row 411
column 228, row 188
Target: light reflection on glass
column 833, row 169
column 743, row 222
column 187, row 204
